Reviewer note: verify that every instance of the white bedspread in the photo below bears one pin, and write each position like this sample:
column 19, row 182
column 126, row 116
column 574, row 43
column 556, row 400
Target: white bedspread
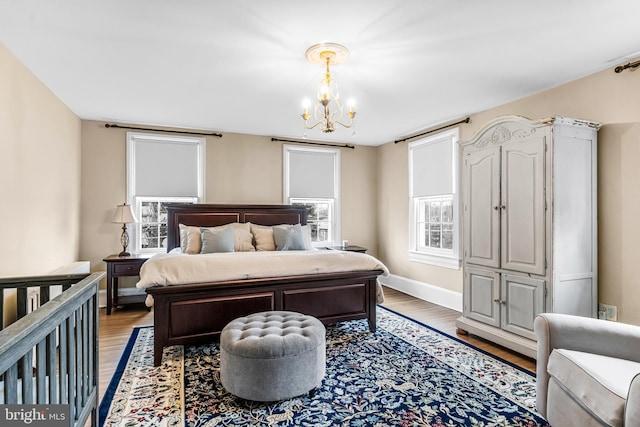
column 177, row 269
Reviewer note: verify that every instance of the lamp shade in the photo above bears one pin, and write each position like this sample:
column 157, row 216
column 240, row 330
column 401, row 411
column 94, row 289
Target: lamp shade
column 123, row 215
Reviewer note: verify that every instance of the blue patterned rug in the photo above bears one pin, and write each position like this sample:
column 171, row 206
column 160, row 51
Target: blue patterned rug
column 405, row 374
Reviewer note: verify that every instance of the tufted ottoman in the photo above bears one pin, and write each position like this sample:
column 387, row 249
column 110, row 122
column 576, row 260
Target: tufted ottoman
column 274, row 355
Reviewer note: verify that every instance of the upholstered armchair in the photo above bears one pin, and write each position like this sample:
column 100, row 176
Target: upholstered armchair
column 587, row 371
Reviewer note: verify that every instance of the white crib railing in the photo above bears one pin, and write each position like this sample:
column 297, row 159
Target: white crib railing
column 50, row 356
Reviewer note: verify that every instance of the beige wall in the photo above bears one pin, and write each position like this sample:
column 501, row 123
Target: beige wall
column 605, row 97
column 239, row 169
column 59, row 193
column 39, row 174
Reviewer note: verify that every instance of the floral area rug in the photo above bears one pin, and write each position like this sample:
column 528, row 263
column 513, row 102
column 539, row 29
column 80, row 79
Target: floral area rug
column 405, row 374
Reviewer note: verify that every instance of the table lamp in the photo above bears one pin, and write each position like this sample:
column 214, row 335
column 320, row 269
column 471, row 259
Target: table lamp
column 124, row 215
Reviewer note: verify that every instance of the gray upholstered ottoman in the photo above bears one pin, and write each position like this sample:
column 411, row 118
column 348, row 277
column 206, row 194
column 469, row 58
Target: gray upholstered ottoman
column 274, row 355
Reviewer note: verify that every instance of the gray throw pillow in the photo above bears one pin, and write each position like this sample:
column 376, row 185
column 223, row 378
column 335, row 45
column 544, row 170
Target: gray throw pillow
column 217, row 240
column 288, row 238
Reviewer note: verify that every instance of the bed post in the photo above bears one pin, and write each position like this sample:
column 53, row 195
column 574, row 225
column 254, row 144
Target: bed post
column 160, row 327
column 372, row 286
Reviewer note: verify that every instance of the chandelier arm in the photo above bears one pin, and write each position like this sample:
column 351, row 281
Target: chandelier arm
column 343, row 125
column 306, row 124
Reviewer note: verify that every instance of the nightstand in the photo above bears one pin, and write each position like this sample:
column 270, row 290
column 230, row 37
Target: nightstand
column 120, row 267
column 350, row 248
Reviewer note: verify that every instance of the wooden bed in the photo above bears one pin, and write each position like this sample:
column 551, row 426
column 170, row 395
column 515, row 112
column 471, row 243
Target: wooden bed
column 196, row 313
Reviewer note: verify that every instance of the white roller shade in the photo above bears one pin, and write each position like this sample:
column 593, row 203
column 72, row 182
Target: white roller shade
column 431, row 164
column 166, row 167
column 311, row 174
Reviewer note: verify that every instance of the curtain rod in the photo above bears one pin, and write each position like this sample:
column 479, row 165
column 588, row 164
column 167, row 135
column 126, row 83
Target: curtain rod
column 107, row 125
column 315, row 143
column 621, row 68
column 467, row 120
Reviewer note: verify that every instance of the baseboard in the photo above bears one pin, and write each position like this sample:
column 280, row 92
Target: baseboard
column 424, row 291
column 102, row 294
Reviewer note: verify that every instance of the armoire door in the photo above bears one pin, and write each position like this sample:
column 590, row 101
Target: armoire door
column 482, row 295
column 482, row 207
column 522, row 299
column 523, row 205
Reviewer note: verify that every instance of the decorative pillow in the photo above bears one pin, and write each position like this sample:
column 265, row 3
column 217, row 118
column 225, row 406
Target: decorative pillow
column 190, row 240
column 243, row 240
column 288, row 238
column 217, row 239
column 263, row 237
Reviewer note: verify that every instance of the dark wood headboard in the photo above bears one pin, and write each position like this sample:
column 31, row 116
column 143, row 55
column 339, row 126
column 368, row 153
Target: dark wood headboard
column 214, row 215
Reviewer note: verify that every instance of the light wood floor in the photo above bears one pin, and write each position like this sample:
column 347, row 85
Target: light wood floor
column 116, row 329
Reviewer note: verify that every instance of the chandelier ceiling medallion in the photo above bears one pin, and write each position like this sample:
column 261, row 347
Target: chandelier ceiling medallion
column 327, row 54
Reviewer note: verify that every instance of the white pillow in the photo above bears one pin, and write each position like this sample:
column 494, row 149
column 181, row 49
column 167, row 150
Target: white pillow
column 306, row 235
column 288, row 238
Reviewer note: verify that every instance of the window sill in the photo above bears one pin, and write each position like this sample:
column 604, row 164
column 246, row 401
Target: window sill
column 438, row 260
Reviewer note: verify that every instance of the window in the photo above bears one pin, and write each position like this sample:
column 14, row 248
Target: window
column 160, row 170
column 433, row 185
column 151, row 232
column 435, row 222
column 319, row 218
column 311, row 178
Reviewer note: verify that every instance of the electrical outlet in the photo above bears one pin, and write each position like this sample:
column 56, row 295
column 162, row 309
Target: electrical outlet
column 608, row 312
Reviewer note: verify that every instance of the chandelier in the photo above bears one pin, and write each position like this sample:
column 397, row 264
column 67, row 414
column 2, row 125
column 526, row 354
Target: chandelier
column 327, row 54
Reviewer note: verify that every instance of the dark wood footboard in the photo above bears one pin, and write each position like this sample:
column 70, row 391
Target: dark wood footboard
column 196, row 313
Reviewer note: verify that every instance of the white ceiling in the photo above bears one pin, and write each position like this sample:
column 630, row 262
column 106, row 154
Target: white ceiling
column 239, row 66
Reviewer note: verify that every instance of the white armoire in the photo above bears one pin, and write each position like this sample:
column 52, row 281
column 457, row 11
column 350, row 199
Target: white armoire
column 529, row 226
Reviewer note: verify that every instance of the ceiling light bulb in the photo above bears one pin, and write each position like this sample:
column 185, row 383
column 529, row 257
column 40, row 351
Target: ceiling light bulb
column 324, row 89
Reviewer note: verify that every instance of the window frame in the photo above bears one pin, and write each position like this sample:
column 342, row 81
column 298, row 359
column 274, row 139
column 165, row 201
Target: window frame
column 133, row 199
column 449, row 258
column 335, row 152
